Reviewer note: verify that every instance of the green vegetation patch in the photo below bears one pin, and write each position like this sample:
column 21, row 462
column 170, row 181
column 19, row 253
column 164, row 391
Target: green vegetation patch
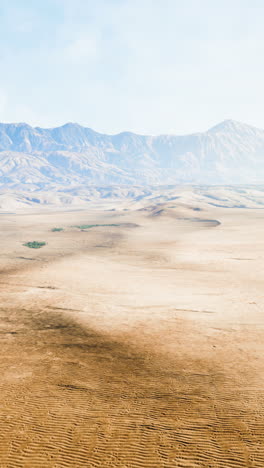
column 34, row 244
column 89, row 226
column 57, row 229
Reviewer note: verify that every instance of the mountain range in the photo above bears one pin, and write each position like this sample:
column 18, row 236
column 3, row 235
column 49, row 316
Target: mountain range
column 72, row 155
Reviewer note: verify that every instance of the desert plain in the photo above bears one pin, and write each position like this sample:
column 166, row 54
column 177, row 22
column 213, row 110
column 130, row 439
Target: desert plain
column 134, row 338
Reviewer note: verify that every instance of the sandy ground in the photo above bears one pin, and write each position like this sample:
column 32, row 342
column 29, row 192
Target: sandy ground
column 138, row 345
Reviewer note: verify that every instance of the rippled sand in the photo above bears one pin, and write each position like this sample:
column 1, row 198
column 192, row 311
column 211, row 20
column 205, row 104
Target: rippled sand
column 137, row 345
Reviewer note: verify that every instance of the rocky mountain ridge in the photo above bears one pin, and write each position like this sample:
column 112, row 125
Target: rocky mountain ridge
column 71, row 155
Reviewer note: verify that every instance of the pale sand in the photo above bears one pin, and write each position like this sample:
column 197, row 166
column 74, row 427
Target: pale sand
column 132, row 346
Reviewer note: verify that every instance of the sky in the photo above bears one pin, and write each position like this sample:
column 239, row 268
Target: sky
column 147, row 66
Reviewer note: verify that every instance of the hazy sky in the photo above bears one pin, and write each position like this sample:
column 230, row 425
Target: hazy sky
column 149, row 66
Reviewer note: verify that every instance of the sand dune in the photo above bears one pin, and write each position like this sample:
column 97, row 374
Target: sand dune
column 133, row 345
column 132, row 197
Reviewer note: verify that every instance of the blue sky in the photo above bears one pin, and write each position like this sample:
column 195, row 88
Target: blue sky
column 149, row 66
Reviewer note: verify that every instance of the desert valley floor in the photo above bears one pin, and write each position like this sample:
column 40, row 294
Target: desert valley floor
column 137, row 344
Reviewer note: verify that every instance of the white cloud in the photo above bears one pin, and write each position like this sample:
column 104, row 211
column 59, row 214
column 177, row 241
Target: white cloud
column 81, row 50
column 3, row 103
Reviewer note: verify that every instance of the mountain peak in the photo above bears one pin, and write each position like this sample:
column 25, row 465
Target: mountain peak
column 230, row 152
column 17, row 125
column 228, row 125
column 71, row 125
